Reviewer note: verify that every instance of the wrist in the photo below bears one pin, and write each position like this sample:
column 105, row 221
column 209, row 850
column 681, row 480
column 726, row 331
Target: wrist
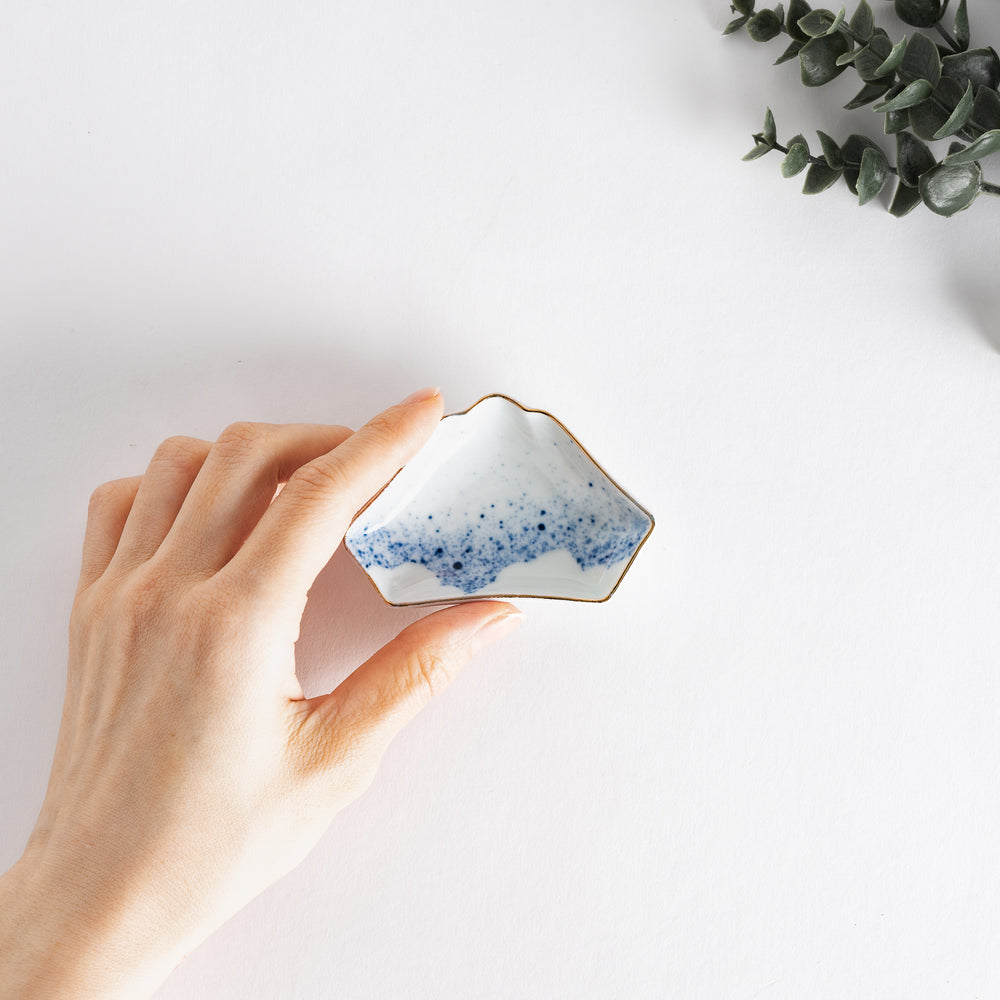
column 65, row 935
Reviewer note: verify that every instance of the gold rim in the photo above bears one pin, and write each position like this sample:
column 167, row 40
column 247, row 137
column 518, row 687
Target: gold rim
column 520, row 597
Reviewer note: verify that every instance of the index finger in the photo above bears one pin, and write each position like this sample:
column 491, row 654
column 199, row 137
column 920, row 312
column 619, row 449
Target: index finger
column 302, row 528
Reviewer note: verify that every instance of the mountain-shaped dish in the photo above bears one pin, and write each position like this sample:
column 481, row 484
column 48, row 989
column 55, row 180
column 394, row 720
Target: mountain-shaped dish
column 502, row 501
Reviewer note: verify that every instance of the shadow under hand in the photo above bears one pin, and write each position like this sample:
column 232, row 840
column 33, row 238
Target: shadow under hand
column 345, row 622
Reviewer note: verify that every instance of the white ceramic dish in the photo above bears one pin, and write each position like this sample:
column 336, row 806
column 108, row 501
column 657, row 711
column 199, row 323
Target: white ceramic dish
column 501, row 502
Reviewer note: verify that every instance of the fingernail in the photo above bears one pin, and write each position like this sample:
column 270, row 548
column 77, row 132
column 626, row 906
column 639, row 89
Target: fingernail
column 421, row 395
column 497, row 627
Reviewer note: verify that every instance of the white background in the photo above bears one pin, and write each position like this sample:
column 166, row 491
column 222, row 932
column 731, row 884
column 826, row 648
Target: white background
column 768, row 767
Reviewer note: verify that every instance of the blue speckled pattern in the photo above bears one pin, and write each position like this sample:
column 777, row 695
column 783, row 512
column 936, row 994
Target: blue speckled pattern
column 510, row 505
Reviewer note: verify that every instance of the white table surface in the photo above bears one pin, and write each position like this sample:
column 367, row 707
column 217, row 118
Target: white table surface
column 768, row 766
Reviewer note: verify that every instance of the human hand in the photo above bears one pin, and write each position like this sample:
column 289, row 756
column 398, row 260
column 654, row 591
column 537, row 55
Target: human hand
column 190, row 772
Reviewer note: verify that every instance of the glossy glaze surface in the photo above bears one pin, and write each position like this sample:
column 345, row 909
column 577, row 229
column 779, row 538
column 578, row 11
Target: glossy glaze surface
column 501, row 501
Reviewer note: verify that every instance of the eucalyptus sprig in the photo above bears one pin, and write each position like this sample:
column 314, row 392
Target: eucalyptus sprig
column 927, row 89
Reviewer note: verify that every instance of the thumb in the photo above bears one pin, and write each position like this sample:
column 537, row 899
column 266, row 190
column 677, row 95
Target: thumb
column 388, row 690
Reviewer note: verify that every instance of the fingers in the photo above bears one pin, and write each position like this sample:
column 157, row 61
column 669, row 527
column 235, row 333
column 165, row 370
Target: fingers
column 235, row 486
column 200, row 501
column 301, row 530
column 109, row 508
column 383, row 694
column 169, row 476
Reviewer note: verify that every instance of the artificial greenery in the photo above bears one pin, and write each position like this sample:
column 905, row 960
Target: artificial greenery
column 927, row 90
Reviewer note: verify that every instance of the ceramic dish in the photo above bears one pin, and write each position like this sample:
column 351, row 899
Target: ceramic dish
column 502, row 501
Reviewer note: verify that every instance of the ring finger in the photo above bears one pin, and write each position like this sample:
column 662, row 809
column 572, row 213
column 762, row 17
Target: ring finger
column 173, row 468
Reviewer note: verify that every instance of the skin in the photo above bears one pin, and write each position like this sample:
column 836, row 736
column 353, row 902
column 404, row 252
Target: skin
column 190, row 772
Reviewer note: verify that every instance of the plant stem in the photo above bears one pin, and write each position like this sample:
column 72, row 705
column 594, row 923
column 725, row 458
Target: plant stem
column 845, row 28
column 857, row 38
column 986, row 187
column 821, row 160
column 944, row 33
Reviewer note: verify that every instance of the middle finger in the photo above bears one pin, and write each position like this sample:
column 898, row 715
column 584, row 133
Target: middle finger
column 237, row 483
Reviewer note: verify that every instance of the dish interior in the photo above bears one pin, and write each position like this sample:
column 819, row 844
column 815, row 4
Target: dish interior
column 500, row 501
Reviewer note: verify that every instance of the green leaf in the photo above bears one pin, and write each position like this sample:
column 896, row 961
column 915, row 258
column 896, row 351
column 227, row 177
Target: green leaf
column 819, row 178
column 871, row 57
column 817, row 23
column 928, row 117
column 770, row 132
column 790, row 53
column 831, row 151
column 893, row 60
column 797, row 10
column 818, row 59
column 863, row 22
column 913, row 158
column 837, row 21
column 905, row 200
column 980, row 66
column 799, row 139
column 912, row 94
column 735, row 25
column 921, row 60
column 872, row 176
column 763, row 26
column 896, row 121
column 988, row 142
column 853, row 151
column 868, row 93
column 919, row 13
column 795, row 160
column 962, row 34
column 744, row 6
column 848, row 57
column 761, row 149
column 949, row 189
column 986, row 109
column 957, row 119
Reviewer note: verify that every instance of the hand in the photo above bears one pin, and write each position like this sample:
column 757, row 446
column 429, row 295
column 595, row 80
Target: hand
column 190, row 772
